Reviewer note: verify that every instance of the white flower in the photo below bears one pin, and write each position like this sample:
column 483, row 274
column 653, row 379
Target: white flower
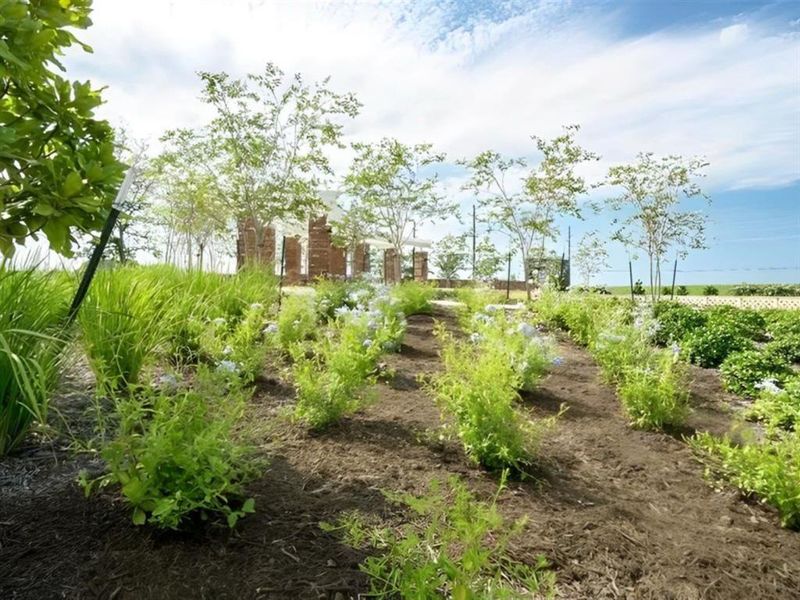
column 273, row 328
column 342, row 311
column 219, row 321
column 526, row 329
column 475, row 338
column 769, row 385
column 256, row 306
column 367, row 343
column 227, row 351
column 228, row 366
column 558, row 361
column 490, row 308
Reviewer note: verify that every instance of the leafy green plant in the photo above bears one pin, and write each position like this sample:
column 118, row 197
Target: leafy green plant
column 778, row 408
column 676, row 321
column 239, row 347
column 787, row 346
column 33, row 309
column 710, row 290
column 297, row 321
column 331, row 294
column 709, row 346
column 478, row 389
column 413, row 297
column 769, row 470
column 748, row 323
column 682, row 291
column 179, row 457
column 655, row 396
column 454, row 546
column 743, row 371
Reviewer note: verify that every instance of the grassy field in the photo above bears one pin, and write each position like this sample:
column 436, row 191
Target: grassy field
column 694, row 290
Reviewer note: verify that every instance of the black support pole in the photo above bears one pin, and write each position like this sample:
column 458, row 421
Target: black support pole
column 674, row 273
column 508, row 278
column 283, row 263
column 630, row 272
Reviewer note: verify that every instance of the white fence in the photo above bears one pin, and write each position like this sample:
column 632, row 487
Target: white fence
column 784, row 302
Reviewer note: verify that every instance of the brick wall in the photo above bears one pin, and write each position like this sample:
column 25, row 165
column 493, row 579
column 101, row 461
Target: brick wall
column 246, row 251
column 319, row 247
column 292, row 258
column 420, row 266
column 361, row 260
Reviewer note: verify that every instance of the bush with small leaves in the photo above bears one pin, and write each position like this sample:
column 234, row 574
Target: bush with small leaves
column 709, row 346
column 778, row 408
column 711, row 290
column 414, row 298
column 656, row 396
column 676, row 321
column 748, row 323
column 743, row 371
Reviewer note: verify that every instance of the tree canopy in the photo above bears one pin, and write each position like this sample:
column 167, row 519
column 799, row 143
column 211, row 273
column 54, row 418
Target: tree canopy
column 58, row 169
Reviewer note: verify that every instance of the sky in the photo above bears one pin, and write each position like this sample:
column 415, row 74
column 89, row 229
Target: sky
column 715, row 78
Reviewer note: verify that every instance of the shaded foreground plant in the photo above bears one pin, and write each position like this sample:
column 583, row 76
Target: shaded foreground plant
column 33, row 309
column 454, row 546
column 180, row 456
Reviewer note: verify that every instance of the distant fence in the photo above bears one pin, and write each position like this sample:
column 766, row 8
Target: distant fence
column 783, row 302
column 498, row 284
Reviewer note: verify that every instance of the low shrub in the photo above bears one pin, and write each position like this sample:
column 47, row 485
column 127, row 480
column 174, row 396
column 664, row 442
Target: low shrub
column 33, row 311
column 786, row 346
column 743, row 371
column 179, row 457
column 748, row 323
column 296, row 322
column 638, row 288
column 769, row 470
column 710, row 290
column 414, row 298
column 709, row 346
column 655, row 396
column 682, row 291
column 453, row 546
column 478, row 389
column 778, row 408
column 676, row 321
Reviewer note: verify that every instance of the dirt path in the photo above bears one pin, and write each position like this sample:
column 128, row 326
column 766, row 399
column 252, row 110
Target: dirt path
column 621, row 513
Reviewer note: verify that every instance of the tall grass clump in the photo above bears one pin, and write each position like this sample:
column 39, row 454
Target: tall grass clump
column 122, row 322
column 296, row 321
column 33, row 309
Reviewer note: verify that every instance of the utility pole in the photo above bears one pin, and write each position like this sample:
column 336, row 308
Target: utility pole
column 674, row 273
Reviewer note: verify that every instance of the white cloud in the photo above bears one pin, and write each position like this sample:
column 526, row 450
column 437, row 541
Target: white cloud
column 730, row 94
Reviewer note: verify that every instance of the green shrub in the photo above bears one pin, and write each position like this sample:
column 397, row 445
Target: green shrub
column 786, row 346
column 414, row 298
column 638, row 288
column 682, row 291
column 769, row 470
column 656, row 396
column 478, row 389
column 710, row 290
column 743, row 371
column 676, row 321
column 332, row 373
column 179, row 457
column 331, row 294
column 618, row 349
column 778, row 408
column 453, row 546
column 709, row 346
column 33, row 310
column 748, row 323
column 296, row 322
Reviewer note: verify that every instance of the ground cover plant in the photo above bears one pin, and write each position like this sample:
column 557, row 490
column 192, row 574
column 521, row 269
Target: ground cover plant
column 777, row 407
column 453, row 546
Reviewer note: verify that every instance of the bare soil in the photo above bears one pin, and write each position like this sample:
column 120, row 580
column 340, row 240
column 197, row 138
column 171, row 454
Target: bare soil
column 620, row 513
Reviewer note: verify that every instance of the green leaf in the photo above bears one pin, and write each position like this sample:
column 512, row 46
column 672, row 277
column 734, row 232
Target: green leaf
column 249, row 506
column 139, row 516
column 72, row 184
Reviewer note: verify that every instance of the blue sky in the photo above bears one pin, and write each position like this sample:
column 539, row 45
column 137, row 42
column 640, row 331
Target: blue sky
column 714, row 78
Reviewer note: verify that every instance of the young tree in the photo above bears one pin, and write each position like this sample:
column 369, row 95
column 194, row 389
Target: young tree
column 271, row 135
column 450, row 256
column 193, row 210
column 488, row 259
column 651, row 191
column 591, row 257
column 550, row 189
column 351, row 228
column 58, row 172
column 387, row 178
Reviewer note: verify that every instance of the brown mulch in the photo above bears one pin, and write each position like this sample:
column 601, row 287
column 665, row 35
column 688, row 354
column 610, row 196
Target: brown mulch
column 620, row 513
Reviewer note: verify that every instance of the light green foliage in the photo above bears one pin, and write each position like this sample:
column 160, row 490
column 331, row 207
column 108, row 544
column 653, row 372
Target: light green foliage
column 769, row 470
column 748, row 323
column 237, row 346
column 414, row 297
column 59, row 173
column 657, row 395
column 454, row 546
column 477, row 388
column 488, row 259
column 652, row 192
column 450, row 256
column 786, row 346
column 297, row 321
column 121, row 324
column 783, row 328
column 591, row 257
column 332, row 373
column 177, row 457
column 778, row 409
column 743, row 371
column 33, row 309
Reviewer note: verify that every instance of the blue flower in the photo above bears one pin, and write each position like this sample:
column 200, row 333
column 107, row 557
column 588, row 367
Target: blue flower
column 558, row 361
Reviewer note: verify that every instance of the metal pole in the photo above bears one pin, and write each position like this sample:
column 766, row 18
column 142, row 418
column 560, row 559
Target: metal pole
column 413, row 253
column 97, row 254
column 569, row 255
column 674, row 273
column 508, row 278
column 630, row 272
